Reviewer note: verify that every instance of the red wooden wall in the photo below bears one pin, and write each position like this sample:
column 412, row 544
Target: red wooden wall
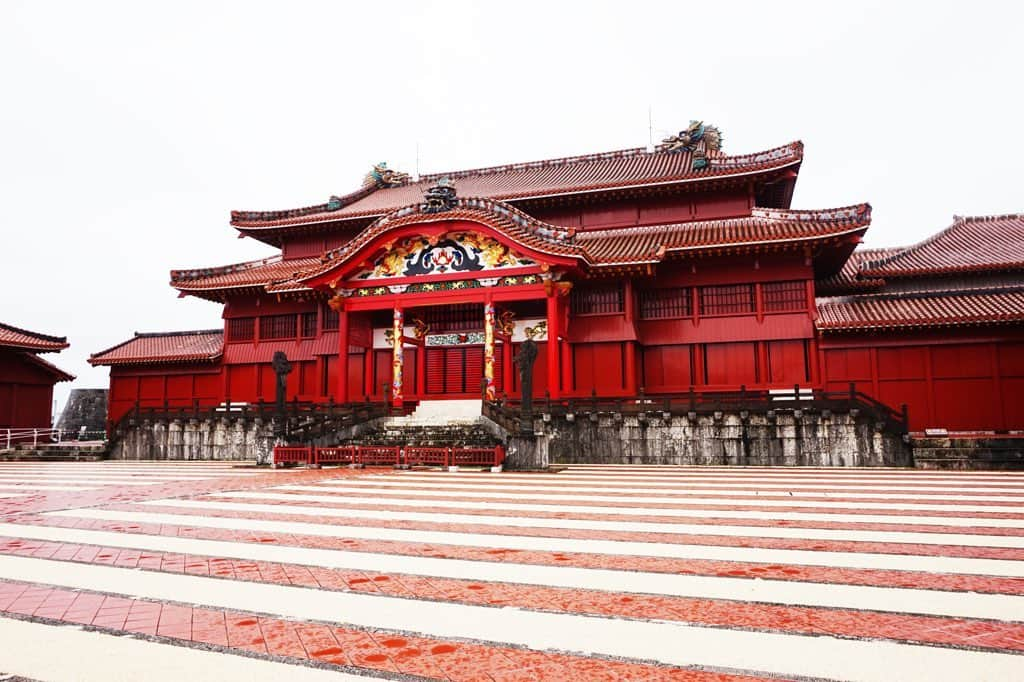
column 650, row 211
column 177, row 385
column 952, row 382
column 26, row 392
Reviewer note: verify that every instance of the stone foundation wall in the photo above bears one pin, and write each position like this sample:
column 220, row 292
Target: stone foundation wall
column 197, row 439
column 223, row 439
column 722, row 439
column 779, row 439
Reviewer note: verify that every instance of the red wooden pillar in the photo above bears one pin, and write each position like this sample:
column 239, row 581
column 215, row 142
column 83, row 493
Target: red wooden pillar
column 554, row 331
column 632, row 383
column 342, row 355
column 507, row 384
column 629, row 347
column 490, row 315
column 321, row 374
column 814, row 362
column 368, row 384
column 397, row 358
column 698, row 364
column 764, row 366
column 567, row 387
column 421, row 369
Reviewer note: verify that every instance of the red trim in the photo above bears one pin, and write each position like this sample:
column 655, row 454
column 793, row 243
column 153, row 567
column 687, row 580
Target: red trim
column 427, row 298
column 452, row 277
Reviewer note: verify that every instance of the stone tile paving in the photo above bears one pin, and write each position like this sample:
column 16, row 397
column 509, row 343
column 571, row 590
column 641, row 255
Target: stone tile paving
column 941, row 577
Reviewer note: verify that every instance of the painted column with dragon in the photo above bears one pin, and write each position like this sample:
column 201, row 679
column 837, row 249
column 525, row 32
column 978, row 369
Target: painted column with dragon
column 397, row 359
column 490, row 392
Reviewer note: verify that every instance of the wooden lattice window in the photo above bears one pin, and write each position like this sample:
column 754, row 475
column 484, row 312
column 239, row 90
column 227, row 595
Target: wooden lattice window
column 731, row 299
column 307, row 325
column 661, row 304
column 331, row 318
column 465, row 317
column 241, row 328
column 277, row 327
column 606, row 300
column 783, row 296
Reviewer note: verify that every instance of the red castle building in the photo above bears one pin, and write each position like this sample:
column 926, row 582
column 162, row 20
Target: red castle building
column 656, row 272
column 27, row 380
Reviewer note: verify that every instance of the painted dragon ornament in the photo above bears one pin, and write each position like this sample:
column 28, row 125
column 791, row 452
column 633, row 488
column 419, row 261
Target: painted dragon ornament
column 698, row 139
column 384, row 177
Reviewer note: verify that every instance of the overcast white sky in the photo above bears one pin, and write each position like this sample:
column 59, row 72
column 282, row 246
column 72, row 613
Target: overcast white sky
column 129, row 130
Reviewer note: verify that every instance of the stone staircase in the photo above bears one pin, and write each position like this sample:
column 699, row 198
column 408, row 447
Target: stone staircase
column 978, row 453
column 435, row 423
column 86, row 451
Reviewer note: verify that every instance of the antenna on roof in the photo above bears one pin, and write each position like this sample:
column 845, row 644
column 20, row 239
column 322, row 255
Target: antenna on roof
column 416, row 177
column 650, row 131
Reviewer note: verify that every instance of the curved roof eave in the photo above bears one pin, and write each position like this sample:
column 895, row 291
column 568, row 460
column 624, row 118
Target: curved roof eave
column 746, row 165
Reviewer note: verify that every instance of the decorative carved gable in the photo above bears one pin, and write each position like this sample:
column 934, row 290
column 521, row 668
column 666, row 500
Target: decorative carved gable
column 455, row 252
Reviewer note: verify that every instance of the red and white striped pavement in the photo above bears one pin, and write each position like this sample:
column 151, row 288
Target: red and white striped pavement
column 593, row 573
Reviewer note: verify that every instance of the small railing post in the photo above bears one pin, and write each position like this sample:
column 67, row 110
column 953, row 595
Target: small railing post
column 8, row 439
column 35, row 437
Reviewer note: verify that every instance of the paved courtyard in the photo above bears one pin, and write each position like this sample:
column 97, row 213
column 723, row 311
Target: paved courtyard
column 204, row 571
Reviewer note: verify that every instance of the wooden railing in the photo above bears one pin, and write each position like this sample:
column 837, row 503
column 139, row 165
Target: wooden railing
column 508, row 413
column 390, row 455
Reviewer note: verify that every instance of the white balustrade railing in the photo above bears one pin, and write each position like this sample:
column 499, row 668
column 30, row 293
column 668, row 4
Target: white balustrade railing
column 9, row 437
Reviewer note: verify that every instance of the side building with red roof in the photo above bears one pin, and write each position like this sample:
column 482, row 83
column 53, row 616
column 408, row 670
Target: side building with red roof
column 677, row 271
column 938, row 326
column 26, row 379
column 179, row 369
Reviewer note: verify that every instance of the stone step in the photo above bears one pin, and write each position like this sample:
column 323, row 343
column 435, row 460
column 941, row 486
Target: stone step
column 49, row 455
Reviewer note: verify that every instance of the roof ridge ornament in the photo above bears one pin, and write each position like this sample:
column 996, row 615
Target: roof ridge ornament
column 698, row 139
column 440, row 197
column 383, row 177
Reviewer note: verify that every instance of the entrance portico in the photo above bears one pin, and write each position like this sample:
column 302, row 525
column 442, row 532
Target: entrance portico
column 447, row 297
column 461, row 347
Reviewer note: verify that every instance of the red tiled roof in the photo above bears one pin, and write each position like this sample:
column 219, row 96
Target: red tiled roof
column 765, row 225
column 164, row 347
column 519, row 227
column 57, row 372
column 571, row 175
column 848, row 280
column 242, row 275
column 13, row 337
column 970, row 244
column 923, row 309
column 597, row 248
